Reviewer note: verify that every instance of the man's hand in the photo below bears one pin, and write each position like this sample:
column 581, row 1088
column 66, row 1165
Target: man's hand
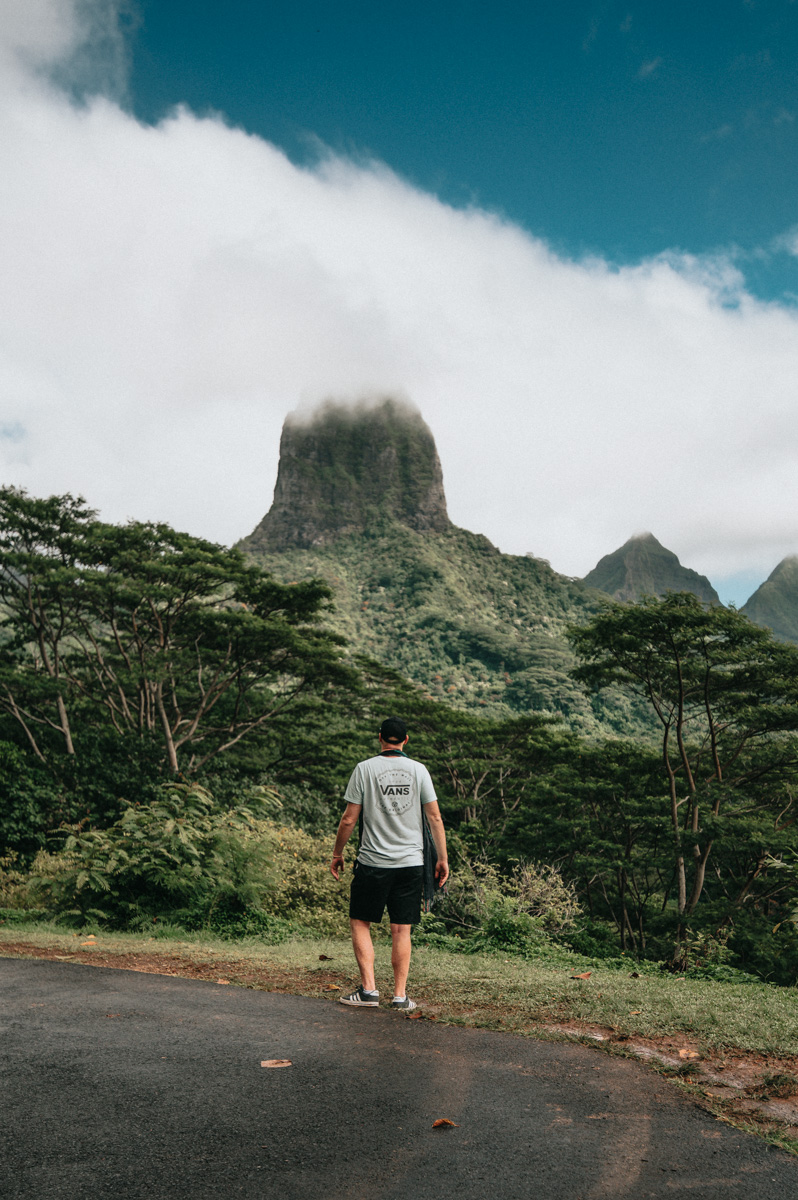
column 441, row 872
column 345, row 828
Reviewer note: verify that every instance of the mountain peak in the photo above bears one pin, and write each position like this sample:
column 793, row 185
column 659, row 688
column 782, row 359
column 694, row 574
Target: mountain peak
column 775, row 603
column 343, row 467
column 644, row 567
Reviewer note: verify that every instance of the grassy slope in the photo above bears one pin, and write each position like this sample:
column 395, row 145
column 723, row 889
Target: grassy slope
column 477, row 628
column 501, row 992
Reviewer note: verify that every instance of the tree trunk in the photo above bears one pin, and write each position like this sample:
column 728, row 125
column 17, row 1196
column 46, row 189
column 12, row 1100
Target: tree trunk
column 700, row 875
column 167, row 730
column 65, row 729
column 681, row 878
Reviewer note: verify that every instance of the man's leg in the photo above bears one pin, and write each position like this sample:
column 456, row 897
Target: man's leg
column 364, row 952
column 400, row 957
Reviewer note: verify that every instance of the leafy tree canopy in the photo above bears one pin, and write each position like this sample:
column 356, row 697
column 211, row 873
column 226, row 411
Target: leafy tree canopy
column 149, row 631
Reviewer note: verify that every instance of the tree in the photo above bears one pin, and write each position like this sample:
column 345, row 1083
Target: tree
column 724, row 695
column 40, row 562
column 149, row 632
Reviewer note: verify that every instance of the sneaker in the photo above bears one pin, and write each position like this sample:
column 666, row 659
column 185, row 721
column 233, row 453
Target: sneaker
column 404, row 1005
column 361, row 999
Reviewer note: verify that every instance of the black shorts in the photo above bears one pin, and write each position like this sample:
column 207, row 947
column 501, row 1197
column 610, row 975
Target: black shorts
column 398, row 887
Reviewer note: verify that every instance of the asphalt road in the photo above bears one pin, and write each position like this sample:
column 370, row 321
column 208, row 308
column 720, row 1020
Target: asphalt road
column 125, row 1085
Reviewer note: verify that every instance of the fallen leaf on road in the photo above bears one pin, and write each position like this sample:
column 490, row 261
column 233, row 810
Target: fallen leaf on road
column 584, row 975
column 443, row 1121
column 325, row 958
column 222, row 980
column 413, row 1016
column 689, row 1054
column 332, row 987
column 276, row 1062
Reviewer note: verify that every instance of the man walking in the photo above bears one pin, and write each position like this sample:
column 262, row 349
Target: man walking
column 393, row 794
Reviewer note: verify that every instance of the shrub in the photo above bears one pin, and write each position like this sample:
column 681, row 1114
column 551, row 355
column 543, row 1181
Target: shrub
column 516, row 912
column 304, row 890
column 13, row 890
column 177, row 857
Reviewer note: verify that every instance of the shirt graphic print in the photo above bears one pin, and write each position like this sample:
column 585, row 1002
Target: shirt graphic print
column 395, row 791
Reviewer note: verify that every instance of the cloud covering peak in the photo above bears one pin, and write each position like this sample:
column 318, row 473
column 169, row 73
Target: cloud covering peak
column 172, row 292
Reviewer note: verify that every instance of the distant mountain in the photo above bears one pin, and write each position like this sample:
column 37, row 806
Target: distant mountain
column 775, row 603
column 359, row 501
column 644, row 567
column 345, row 467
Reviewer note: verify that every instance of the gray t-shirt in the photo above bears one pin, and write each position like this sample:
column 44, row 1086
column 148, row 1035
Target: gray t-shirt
column 391, row 791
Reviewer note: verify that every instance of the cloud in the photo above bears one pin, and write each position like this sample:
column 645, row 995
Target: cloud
column 171, row 293
column 717, row 135
column 647, row 69
column 590, row 37
column 77, row 44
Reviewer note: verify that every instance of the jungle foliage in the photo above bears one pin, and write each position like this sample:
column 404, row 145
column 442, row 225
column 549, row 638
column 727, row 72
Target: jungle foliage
column 479, row 630
column 132, row 651
column 152, row 685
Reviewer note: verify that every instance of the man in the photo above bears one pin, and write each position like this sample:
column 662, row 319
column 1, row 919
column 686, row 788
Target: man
column 393, row 793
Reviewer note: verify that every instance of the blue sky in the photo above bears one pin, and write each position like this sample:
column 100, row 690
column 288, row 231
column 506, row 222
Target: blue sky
column 567, row 232
column 618, row 129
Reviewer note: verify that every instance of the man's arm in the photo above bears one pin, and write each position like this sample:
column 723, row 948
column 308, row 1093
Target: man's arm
column 435, row 821
column 345, row 829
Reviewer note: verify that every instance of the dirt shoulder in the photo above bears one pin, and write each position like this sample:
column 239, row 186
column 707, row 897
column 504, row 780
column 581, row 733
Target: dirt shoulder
column 756, row 1092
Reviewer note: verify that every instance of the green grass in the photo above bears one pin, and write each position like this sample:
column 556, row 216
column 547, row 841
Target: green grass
column 499, row 991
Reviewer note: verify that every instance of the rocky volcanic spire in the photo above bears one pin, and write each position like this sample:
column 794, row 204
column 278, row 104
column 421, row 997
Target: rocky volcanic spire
column 344, row 468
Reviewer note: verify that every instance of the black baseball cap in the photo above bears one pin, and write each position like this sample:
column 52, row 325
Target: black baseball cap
column 393, row 730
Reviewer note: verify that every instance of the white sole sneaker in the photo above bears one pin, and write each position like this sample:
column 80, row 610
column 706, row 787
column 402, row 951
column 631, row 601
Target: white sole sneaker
column 359, row 999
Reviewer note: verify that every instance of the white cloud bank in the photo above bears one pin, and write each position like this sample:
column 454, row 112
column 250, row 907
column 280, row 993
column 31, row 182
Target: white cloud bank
column 170, row 293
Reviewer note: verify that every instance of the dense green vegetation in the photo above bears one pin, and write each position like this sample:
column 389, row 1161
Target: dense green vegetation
column 477, row 629
column 132, row 651
column 177, row 729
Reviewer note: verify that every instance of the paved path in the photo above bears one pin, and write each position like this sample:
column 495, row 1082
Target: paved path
column 124, row 1085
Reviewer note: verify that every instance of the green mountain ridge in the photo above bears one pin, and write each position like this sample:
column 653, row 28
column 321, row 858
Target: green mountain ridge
column 359, row 501
column 480, row 629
